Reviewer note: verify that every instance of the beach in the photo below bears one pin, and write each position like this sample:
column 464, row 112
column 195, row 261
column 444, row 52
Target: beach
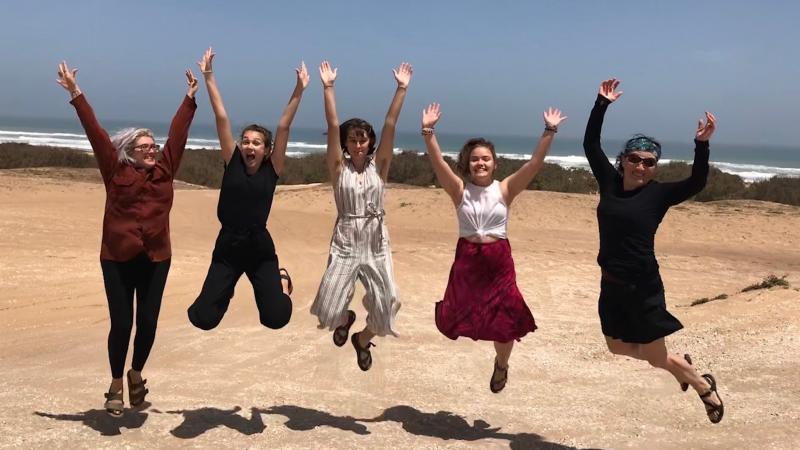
column 244, row 386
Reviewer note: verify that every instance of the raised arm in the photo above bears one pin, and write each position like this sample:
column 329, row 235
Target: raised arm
column 179, row 128
column 383, row 155
column 450, row 182
column 327, row 75
column 278, row 155
column 103, row 149
column 226, row 142
column 679, row 191
column 602, row 169
column 515, row 183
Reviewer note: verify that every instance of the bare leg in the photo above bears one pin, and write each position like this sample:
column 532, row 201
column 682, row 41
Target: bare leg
column 619, row 347
column 365, row 336
column 656, row 354
column 503, row 350
column 136, row 376
column 499, row 377
column 116, row 385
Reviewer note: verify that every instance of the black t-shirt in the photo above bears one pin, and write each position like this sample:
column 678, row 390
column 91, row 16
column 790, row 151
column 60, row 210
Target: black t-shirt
column 628, row 220
column 245, row 200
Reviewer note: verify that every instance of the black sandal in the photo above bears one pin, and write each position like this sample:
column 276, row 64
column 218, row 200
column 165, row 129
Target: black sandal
column 285, row 276
column 713, row 411
column 114, row 405
column 685, row 386
column 136, row 391
column 363, row 355
column 341, row 332
column 497, row 386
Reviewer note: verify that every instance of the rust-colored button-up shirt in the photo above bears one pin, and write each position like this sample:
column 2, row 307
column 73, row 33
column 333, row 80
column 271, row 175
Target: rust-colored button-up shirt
column 138, row 201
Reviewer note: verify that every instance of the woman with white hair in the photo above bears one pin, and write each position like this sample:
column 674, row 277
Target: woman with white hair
column 135, row 251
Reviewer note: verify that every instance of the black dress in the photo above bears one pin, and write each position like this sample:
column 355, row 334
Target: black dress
column 632, row 306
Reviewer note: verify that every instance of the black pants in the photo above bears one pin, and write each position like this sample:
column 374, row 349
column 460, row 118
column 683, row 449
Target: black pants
column 122, row 279
column 237, row 252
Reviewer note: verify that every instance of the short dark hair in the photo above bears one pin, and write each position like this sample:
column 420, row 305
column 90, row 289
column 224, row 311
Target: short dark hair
column 357, row 124
column 256, row 127
column 462, row 165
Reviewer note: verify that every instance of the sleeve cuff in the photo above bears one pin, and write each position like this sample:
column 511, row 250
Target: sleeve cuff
column 79, row 99
column 190, row 102
column 601, row 101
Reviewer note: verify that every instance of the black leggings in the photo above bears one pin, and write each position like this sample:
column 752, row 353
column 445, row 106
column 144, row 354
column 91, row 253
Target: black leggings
column 122, row 279
column 237, row 253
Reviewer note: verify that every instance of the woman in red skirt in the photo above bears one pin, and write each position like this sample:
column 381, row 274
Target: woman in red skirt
column 482, row 300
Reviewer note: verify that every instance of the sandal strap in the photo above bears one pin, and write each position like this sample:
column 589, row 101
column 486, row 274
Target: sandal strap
column 112, row 396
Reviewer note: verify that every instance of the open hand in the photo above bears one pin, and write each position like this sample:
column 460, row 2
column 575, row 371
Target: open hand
column 403, row 74
column 192, row 82
column 327, row 74
column 553, row 117
column 608, row 89
column 302, row 75
column 704, row 131
column 206, row 60
column 66, row 77
column 430, row 115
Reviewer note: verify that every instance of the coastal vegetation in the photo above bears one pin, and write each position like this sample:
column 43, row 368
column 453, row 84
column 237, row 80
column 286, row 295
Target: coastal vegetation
column 204, row 167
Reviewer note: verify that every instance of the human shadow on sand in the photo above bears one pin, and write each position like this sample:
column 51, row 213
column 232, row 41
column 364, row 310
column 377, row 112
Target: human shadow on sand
column 198, row 421
column 443, row 425
column 446, row 425
column 99, row 420
column 304, row 419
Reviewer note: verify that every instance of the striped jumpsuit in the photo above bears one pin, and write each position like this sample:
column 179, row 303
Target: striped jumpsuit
column 359, row 250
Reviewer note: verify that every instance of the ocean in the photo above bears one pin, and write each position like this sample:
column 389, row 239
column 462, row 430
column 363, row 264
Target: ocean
column 752, row 163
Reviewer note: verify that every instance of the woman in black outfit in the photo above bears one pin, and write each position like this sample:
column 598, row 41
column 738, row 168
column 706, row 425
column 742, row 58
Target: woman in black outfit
column 244, row 246
column 632, row 307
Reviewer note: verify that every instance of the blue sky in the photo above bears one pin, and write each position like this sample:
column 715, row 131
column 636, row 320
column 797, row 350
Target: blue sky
column 494, row 66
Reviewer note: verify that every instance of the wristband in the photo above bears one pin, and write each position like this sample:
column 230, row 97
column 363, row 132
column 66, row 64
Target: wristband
column 548, row 127
column 427, row 131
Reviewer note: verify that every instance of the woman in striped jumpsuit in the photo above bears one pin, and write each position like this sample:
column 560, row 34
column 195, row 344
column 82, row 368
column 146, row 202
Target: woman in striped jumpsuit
column 360, row 243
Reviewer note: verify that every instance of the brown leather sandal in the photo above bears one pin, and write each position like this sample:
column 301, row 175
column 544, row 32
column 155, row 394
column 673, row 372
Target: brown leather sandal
column 285, row 276
column 500, row 384
column 136, row 391
column 363, row 355
column 714, row 412
column 342, row 331
column 114, row 405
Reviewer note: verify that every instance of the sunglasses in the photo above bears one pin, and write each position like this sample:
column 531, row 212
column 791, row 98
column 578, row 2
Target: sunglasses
column 636, row 159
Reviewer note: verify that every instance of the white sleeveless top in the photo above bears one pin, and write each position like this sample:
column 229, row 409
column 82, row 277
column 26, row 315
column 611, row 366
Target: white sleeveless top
column 482, row 211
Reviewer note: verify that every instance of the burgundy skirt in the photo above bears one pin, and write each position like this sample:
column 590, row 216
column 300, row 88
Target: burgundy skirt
column 482, row 300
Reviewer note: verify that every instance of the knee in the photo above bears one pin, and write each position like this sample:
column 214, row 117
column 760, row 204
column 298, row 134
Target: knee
column 616, row 349
column 202, row 321
column 277, row 313
column 121, row 327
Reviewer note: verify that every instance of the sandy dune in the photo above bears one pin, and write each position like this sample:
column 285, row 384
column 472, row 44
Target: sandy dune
column 243, row 386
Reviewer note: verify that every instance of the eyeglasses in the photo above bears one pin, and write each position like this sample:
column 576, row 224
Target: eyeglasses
column 147, row 147
column 636, row 159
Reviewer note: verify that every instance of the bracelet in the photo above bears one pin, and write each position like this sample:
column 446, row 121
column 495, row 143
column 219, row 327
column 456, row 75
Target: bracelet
column 75, row 94
column 427, row 131
column 548, row 127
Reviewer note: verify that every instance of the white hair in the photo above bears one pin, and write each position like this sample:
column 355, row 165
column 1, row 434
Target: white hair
column 124, row 141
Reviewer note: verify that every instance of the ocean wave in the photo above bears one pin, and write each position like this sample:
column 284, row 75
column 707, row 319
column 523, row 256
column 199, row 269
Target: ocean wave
column 748, row 172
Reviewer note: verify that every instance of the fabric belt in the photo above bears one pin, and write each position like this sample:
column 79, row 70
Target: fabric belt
column 371, row 212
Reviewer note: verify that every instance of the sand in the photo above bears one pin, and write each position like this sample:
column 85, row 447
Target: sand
column 244, row 386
